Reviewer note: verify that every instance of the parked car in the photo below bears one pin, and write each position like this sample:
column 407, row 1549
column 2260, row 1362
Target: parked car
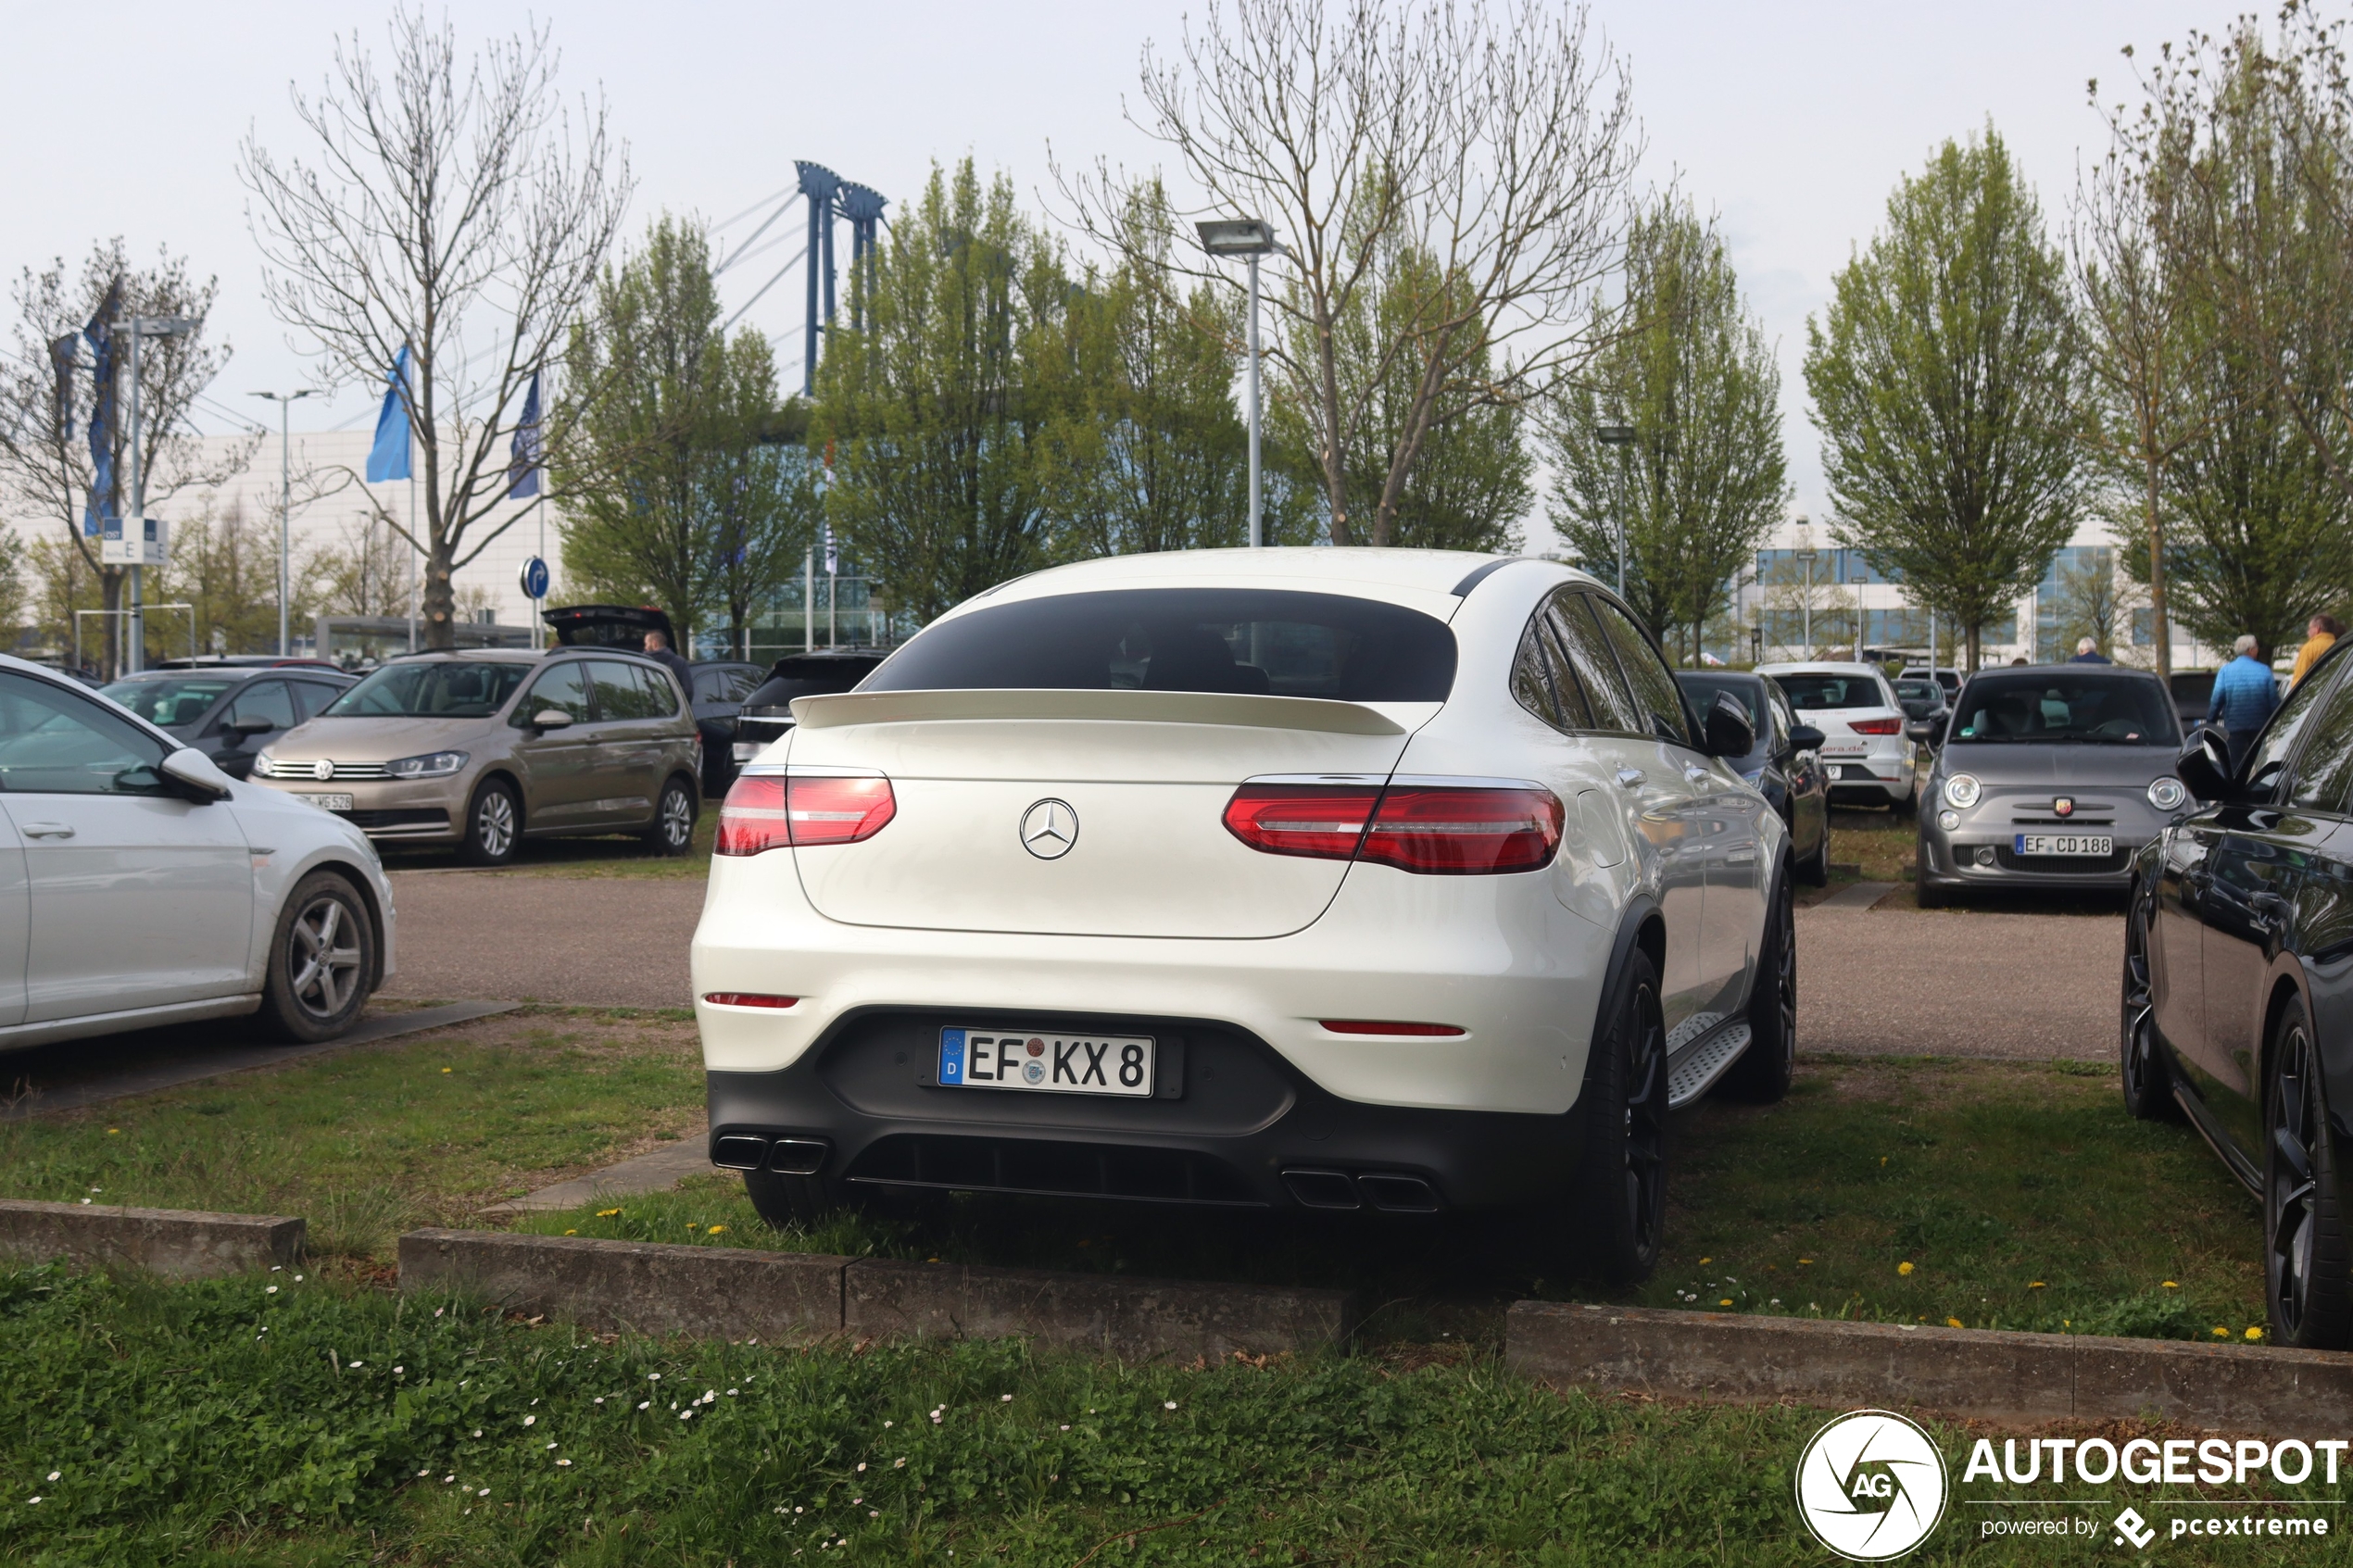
column 228, row 710
column 2052, row 776
column 1784, row 766
column 720, row 686
column 2192, row 691
column 1946, row 678
column 141, row 885
column 1293, row 879
column 485, row 748
column 766, row 714
column 1923, row 701
column 2237, row 1005
column 1869, row 759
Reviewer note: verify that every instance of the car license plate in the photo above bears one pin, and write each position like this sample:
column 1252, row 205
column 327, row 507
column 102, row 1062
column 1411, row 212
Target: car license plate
column 1071, row 1064
column 328, row 802
column 2064, row 844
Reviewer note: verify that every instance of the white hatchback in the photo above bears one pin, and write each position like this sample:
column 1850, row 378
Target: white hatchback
column 142, row 885
column 1325, row 878
column 1865, row 752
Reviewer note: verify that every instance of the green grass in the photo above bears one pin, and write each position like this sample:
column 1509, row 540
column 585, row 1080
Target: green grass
column 2021, row 1195
column 367, row 1143
column 316, row 1423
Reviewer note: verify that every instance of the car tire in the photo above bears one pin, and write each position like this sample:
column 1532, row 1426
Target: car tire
column 2306, row 1281
column 673, row 832
column 322, row 961
column 1815, row 870
column 1763, row 1072
column 493, row 825
column 2148, row 1079
column 1617, row 1205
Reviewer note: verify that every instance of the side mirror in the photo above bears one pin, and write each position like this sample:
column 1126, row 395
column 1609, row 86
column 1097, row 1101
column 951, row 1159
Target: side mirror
column 1805, row 737
column 552, row 719
column 193, row 777
column 2204, row 765
column 1921, row 731
column 257, row 725
column 1730, row 734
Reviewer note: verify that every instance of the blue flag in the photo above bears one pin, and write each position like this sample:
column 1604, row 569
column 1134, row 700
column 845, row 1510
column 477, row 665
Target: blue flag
column 389, row 458
column 522, row 464
column 100, row 334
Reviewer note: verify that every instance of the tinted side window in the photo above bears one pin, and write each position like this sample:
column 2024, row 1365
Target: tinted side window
column 1532, row 675
column 265, row 699
column 2325, row 770
column 562, row 688
column 619, row 693
column 312, row 696
column 1654, row 690
column 2268, row 761
column 54, row 743
column 660, row 695
column 1586, row 653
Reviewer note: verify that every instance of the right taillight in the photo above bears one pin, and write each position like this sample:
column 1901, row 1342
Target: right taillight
column 765, row 811
column 1430, row 829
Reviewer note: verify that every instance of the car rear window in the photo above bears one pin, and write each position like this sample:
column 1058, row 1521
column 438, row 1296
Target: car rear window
column 2050, row 707
column 1809, row 690
column 1277, row 642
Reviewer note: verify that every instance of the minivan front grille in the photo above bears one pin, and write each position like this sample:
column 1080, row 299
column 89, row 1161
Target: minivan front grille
column 283, row 768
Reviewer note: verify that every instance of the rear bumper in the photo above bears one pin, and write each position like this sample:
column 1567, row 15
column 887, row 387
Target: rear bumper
column 1231, row 1125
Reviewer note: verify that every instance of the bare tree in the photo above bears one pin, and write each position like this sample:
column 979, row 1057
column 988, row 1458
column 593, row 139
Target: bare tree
column 49, row 392
column 1498, row 142
column 449, row 209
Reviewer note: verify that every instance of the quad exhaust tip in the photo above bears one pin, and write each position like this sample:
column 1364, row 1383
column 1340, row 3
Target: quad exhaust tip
column 1391, row 1192
column 754, row 1151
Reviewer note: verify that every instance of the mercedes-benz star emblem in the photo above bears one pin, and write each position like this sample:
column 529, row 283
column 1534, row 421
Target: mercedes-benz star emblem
column 1049, row 829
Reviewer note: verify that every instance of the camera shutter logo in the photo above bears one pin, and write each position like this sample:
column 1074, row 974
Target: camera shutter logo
column 1871, row 1485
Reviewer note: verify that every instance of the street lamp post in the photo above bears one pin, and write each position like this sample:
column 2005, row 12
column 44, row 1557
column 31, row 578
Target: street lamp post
column 1806, row 605
column 1252, row 238
column 285, row 402
column 1859, row 580
column 1621, row 437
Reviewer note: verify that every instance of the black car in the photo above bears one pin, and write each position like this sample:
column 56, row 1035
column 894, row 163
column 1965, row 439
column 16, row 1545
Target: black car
column 1923, row 701
column 2238, row 986
column 608, row 626
column 1785, row 764
column 720, row 687
column 767, row 712
column 226, row 710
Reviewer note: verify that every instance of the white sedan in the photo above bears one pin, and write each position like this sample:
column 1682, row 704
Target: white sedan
column 1869, row 758
column 141, row 885
column 1331, row 879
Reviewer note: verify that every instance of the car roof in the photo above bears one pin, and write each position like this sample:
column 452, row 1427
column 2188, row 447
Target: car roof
column 1718, row 674
column 2102, row 671
column 1821, row 667
column 1423, row 580
column 233, row 672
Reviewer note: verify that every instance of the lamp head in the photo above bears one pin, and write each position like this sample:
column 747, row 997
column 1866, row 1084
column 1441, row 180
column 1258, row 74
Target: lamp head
column 1236, row 236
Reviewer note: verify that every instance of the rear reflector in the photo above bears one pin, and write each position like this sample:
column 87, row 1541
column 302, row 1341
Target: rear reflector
column 1436, row 830
column 1376, row 1026
column 1875, row 727
column 764, row 811
column 749, row 999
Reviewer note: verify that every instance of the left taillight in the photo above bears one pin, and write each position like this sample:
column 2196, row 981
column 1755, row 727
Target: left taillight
column 767, row 812
column 1429, row 828
column 1875, row 727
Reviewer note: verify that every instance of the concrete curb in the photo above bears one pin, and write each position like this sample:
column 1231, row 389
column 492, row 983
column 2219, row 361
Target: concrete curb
column 738, row 1293
column 175, row 1243
column 1993, row 1375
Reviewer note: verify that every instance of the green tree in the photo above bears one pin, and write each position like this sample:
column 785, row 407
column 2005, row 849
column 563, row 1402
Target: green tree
column 668, row 490
column 1705, row 480
column 937, row 411
column 1947, row 391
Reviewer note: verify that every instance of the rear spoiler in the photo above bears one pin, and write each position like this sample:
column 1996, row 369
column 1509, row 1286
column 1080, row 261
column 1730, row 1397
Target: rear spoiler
column 1243, row 710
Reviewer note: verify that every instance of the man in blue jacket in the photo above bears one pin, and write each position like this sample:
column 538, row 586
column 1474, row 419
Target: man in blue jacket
column 2244, row 696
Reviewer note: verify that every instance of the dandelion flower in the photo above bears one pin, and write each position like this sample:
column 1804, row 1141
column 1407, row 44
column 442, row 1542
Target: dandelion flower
column 716, row 1230
column 1725, row 1302
column 2253, row 1331
column 1905, row 1267
column 1953, row 1322
column 2034, row 1284
column 572, row 1233
column 2170, row 1285
column 2221, row 1332
column 1805, row 1260
column 1707, row 1260
column 112, row 1131
column 445, row 1070
column 607, row 1213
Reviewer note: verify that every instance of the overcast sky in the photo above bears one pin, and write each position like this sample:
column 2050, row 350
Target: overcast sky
column 1792, row 121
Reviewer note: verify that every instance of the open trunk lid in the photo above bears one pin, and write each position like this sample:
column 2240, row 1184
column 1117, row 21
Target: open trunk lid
column 1143, row 776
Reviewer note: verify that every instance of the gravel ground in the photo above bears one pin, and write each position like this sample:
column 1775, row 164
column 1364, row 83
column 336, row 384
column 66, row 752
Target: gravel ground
column 1890, row 979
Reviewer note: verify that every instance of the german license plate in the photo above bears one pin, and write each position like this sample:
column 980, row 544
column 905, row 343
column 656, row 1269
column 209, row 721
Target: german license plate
column 2078, row 844
column 1070, row 1064
column 328, row 802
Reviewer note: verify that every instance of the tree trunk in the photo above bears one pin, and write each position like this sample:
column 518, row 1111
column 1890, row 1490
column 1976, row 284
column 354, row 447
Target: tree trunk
column 1976, row 642
column 440, row 608
column 2158, row 628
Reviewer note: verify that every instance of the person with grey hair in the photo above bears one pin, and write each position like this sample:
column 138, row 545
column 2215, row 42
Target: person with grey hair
column 2244, row 696
column 2087, row 651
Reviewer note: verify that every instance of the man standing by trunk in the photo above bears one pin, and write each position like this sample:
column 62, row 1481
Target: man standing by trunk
column 658, row 649
column 2244, row 696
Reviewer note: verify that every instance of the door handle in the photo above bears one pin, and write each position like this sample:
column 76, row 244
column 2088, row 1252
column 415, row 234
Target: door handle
column 47, row 830
column 1630, row 778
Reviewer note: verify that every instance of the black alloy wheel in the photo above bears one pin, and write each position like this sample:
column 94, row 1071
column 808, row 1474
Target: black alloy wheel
column 494, row 824
column 323, row 960
column 1619, row 1205
column 2148, row 1083
column 672, row 831
column 1763, row 1072
column 2304, row 1254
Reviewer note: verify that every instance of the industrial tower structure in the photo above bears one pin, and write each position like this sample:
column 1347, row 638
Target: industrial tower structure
column 830, row 196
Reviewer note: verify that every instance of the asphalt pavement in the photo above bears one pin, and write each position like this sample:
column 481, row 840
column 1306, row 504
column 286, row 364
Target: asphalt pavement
column 1871, row 980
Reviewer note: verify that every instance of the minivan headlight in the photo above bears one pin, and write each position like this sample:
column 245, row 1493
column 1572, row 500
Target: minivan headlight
column 431, row 765
column 2167, row 794
column 1962, row 790
column 264, row 763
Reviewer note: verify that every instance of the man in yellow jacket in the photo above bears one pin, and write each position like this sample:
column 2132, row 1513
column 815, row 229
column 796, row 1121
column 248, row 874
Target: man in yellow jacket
column 2322, row 633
